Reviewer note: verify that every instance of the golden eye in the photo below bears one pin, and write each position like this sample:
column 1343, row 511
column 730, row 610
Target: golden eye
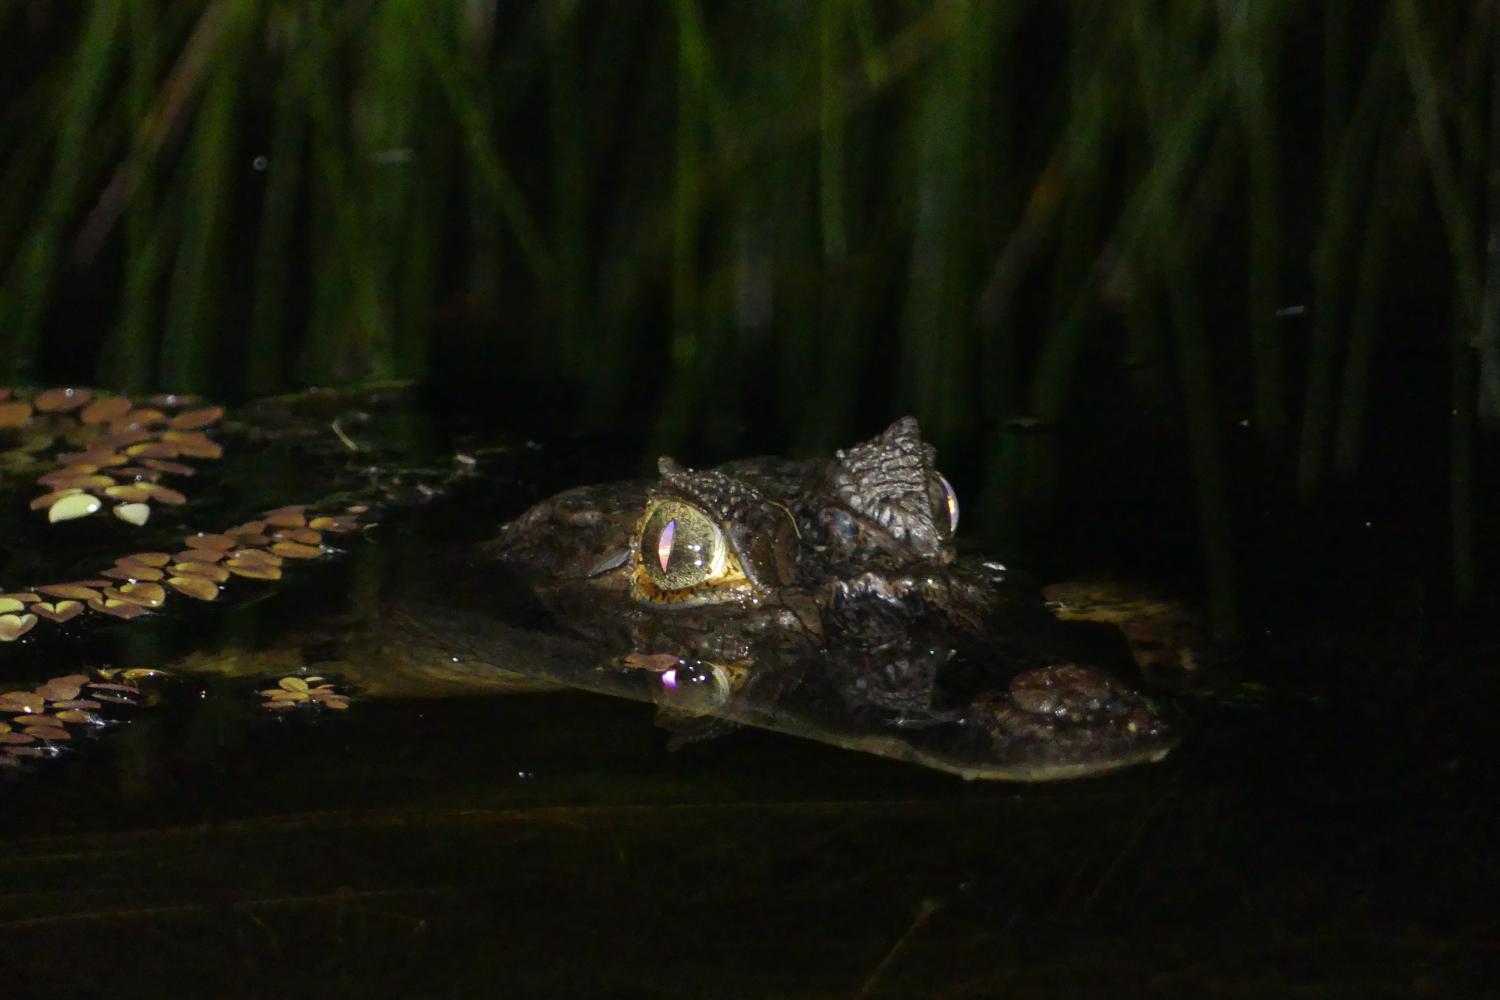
column 681, row 547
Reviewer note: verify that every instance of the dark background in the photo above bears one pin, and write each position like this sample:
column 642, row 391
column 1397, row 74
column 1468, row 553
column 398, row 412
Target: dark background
column 1201, row 295
column 1192, row 293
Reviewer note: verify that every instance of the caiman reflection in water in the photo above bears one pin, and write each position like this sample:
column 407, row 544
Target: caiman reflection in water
column 825, row 598
column 818, row 598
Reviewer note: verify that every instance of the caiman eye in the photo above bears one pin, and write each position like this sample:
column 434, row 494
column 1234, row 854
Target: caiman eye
column 945, row 502
column 681, row 547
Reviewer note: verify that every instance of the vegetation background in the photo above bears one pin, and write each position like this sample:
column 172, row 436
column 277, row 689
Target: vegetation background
column 1204, row 291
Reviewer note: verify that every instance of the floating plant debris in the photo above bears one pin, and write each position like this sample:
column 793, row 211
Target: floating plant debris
column 86, row 450
column 295, row 692
column 71, row 506
column 61, row 400
column 146, row 594
column 126, row 571
column 296, row 550
column 199, row 568
column 22, row 701
column 12, row 627
column 194, row 419
column 253, row 570
column 54, row 712
column 64, row 688
column 286, row 517
column 198, row 587
column 172, row 468
column 72, row 591
column 102, row 411
column 14, row 413
column 60, row 611
column 116, row 607
column 133, row 513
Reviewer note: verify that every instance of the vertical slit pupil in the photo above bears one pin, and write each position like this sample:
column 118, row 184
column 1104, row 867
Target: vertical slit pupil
column 664, row 544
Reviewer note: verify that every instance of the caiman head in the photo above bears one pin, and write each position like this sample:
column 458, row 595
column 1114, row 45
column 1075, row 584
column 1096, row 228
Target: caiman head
column 830, row 588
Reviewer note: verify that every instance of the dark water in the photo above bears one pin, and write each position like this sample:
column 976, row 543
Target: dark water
column 1333, row 835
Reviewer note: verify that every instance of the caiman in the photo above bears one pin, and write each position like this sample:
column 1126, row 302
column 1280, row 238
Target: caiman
column 822, row 598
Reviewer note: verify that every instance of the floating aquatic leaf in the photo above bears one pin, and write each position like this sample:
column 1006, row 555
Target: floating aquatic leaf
column 165, row 494
column 95, row 460
column 76, row 703
column 9, row 605
column 48, row 499
column 342, row 523
column 137, row 419
column 204, row 540
column 116, row 699
column 63, row 478
column 194, row 444
column 90, row 481
column 305, row 536
column 72, row 506
column 147, row 451
column 296, row 550
column 60, row 611
column 146, row 594
column 24, row 596
column 50, row 733
column 292, row 684
column 253, row 570
column 71, row 591
column 157, row 559
column 22, row 701
column 12, row 627
column 61, row 688
column 102, row 411
column 129, row 492
column 15, row 739
column 193, row 419
column 61, row 400
column 198, row 587
column 197, row 568
column 79, row 716
column 14, row 413
column 286, row 517
column 259, row 556
column 171, row 468
column 125, row 571
column 198, row 555
column 123, row 438
column 112, row 686
column 116, row 607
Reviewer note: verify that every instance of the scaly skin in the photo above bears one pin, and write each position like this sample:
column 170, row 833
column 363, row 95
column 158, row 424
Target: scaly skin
column 841, row 602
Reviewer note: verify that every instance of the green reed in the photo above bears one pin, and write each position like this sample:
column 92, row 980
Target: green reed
column 798, row 213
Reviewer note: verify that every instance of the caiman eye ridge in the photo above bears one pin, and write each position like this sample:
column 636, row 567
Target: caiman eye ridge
column 682, row 557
